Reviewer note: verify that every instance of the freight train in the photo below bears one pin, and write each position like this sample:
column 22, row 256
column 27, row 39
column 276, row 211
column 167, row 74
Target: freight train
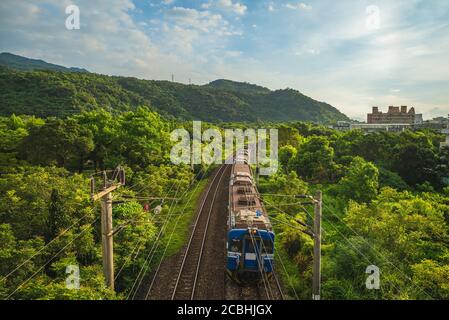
column 250, row 236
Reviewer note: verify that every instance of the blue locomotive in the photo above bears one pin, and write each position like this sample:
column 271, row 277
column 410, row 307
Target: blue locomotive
column 250, row 237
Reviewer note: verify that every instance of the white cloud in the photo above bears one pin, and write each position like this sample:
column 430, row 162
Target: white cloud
column 362, row 68
column 192, row 18
column 308, row 51
column 298, row 6
column 235, row 6
column 187, row 31
column 206, row 5
column 109, row 41
column 228, row 5
column 233, row 54
column 271, row 6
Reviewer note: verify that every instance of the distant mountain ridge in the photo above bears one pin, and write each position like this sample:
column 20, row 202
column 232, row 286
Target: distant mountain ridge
column 62, row 92
column 26, row 64
column 243, row 87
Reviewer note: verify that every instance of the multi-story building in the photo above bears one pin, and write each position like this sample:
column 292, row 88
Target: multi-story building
column 395, row 115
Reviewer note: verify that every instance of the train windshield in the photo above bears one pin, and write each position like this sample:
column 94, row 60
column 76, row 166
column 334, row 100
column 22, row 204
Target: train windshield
column 250, row 246
column 267, row 247
column 264, row 247
column 236, row 245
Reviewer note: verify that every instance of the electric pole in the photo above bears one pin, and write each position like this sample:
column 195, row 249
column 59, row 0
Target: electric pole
column 107, row 240
column 106, row 221
column 316, row 286
column 317, row 203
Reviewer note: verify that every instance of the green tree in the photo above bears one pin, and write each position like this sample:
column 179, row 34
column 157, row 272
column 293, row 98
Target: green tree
column 143, row 139
column 286, row 154
column 64, row 143
column 432, row 279
column 416, row 164
column 315, row 160
column 104, row 129
column 57, row 219
column 391, row 179
column 361, row 181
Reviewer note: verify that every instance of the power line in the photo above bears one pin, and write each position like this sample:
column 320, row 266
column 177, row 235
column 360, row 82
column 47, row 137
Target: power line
column 45, row 246
column 150, row 253
column 51, row 259
column 173, row 230
column 377, row 252
column 146, row 264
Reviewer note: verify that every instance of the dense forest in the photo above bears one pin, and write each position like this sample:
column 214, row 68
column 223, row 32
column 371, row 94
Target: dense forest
column 48, row 221
column 44, row 93
column 385, row 204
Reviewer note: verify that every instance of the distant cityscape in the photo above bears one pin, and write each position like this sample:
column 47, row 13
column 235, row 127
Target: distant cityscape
column 396, row 119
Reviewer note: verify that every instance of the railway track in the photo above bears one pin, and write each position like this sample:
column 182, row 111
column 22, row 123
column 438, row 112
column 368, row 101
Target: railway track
column 273, row 289
column 198, row 271
column 184, row 287
column 243, row 292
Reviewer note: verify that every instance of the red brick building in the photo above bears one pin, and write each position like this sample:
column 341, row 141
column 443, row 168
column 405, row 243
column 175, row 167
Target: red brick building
column 395, row 115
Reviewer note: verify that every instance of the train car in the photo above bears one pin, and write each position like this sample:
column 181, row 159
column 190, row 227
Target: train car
column 250, row 236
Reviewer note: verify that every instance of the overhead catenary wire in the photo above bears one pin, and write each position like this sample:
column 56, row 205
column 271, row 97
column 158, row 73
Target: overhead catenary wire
column 295, row 227
column 205, row 234
column 156, row 242
column 291, row 225
column 151, row 250
column 203, row 172
column 260, row 267
column 377, row 252
column 342, row 235
column 51, row 259
column 219, row 172
column 266, row 252
column 151, row 253
column 138, row 245
column 45, row 246
column 356, row 249
column 287, row 275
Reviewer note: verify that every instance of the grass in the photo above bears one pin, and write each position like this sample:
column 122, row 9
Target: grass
column 289, row 276
column 177, row 230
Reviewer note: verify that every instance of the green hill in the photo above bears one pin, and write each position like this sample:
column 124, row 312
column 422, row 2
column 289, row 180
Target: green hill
column 52, row 93
column 242, row 87
column 21, row 63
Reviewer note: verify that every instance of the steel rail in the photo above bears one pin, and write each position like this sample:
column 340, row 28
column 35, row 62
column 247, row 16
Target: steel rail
column 220, row 171
column 205, row 234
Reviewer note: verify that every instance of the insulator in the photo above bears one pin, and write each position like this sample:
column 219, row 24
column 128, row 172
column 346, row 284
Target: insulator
column 158, row 209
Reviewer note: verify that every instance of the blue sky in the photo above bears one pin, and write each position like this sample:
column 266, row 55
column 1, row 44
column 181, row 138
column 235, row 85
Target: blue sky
column 341, row 52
